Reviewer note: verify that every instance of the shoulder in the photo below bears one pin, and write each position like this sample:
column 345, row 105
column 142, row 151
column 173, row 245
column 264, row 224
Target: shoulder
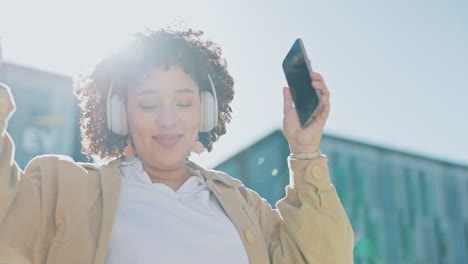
column 215, row 175
column 61, row 160
column 60, row 175
column 71, row 188
column 250, row 196
column 225, row 178
column 55, row 166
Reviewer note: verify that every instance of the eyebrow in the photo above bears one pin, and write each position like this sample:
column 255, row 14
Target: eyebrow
column 145, row 92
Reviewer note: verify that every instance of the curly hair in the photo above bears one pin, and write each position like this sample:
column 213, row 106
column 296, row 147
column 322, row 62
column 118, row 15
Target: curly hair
column 150, row 49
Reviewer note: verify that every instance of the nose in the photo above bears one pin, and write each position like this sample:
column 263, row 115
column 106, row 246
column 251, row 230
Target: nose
column 166, row 116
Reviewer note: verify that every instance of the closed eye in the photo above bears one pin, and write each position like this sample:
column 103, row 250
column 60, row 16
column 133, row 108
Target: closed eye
column 154, row 106
column 148, row 107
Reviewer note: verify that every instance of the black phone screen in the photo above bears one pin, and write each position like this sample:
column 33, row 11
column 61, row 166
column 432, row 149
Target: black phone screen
column 300, row 83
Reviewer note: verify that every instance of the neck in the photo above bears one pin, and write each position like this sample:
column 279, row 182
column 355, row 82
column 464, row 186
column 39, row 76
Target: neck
column 173, row 178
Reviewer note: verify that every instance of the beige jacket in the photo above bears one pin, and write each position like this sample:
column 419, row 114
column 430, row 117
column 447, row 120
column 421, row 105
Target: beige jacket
column 61, row 212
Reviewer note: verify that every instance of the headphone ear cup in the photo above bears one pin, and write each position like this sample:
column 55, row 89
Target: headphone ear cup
column 208, row 112
column 122, row 121
column 208, row 108
column 214, row 111
column 117, row 120
column 203, row 117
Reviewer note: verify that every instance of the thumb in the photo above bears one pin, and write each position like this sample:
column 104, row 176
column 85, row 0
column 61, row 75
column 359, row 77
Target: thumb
column 288, row 100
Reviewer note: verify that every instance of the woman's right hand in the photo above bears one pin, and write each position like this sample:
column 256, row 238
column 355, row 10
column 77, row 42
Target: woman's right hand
column 7, row 104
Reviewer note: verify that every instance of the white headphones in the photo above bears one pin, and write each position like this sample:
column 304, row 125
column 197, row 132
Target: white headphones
column 117, row 120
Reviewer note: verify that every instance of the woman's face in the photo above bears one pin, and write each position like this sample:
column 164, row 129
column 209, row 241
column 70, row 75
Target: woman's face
column 163, row 115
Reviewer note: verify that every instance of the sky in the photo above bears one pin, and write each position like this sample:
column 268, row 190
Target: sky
column 397, row 70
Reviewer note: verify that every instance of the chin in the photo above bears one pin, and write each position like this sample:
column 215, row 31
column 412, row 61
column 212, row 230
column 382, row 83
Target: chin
column 169, row 163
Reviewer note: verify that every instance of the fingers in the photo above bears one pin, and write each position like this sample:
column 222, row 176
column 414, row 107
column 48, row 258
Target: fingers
column 288, row 100
column 316, row 76
column 326, row 106
column 318, row 83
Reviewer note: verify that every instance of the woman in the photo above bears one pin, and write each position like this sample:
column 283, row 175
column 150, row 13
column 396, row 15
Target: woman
column 146, row 108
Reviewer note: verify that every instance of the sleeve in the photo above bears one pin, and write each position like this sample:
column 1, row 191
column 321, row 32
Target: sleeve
column 310, row 224
column 21, row 197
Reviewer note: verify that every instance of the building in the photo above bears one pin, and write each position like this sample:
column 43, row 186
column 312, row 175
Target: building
column 404, row 208
column 46, row 117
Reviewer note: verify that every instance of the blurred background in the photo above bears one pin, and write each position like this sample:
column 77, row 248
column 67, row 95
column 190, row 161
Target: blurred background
column 396, row 138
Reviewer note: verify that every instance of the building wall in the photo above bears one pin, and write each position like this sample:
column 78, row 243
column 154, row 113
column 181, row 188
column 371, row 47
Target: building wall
column 46, row 117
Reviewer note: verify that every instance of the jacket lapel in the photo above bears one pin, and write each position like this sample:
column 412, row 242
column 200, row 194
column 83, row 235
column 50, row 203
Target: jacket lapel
column 110, row 187
column 224, row 187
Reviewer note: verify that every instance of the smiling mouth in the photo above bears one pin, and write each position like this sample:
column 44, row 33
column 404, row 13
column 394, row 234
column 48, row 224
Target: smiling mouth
column 168, row 141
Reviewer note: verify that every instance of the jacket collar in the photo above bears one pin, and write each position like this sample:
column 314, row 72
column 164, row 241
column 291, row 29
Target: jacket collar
column 213, row 175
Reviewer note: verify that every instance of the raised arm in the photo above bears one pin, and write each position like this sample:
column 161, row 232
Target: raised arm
column 309, row 225
column 21, row 221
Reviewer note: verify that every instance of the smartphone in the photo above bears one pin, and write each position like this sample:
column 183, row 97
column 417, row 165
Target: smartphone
column 297, row 69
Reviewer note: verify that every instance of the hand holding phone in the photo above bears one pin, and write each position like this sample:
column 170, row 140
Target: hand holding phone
column 297, row 69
